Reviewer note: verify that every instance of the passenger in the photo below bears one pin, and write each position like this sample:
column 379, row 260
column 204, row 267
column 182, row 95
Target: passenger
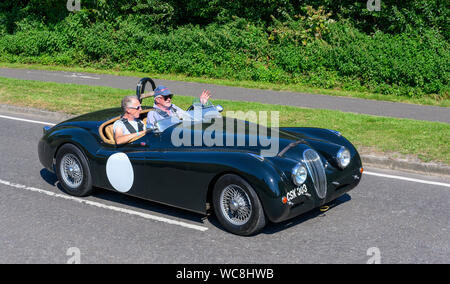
column 129, row 126
column 163, row 107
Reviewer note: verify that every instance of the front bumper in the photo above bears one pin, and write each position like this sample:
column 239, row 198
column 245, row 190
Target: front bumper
column 45, row 155
column 336, row 187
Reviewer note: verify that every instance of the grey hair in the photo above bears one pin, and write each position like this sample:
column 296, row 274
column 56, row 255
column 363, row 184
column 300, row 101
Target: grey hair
column 127, row 101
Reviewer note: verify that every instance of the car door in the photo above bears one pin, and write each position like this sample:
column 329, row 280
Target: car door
column 123, row 168
column 178, row 176
column 152, row 168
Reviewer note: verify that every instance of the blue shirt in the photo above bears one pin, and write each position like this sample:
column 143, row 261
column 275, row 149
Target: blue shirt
column 154, row 116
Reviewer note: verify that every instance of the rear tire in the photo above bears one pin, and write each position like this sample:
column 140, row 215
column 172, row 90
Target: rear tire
column 72, row 170
column 237, row 206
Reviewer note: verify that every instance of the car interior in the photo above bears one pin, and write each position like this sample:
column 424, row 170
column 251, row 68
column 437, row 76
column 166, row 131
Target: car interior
column 106, row 129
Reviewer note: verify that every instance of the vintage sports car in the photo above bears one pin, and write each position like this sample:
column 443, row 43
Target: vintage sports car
column 243, row 188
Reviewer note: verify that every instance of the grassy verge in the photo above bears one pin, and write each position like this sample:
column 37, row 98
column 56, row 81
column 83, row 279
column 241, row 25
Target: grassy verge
column 426, row 100
column 427, row 141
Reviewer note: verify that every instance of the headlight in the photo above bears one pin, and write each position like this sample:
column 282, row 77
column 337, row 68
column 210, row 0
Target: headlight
column 299, row 174
column 343, row 157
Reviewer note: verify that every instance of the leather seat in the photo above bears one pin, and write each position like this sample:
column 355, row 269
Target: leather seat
column 109, row 133
column 106, row 130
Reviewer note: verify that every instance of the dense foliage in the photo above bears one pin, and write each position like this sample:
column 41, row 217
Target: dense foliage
column 402, row 49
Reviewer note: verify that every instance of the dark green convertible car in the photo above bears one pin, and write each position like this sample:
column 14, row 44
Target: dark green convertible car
column 175, row 163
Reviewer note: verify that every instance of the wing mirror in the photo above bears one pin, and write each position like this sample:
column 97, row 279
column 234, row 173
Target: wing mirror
column 219, row 108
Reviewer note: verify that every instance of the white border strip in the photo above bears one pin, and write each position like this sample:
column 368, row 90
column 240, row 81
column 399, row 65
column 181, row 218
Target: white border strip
column 104, row 206
column 407, row 179
column 27, row 120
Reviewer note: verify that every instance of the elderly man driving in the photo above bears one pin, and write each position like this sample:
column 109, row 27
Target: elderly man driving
column 163, row 107
column 129, row 126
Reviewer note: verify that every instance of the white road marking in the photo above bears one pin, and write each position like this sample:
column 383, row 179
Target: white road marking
column 56, row 74
column 104, row 206
column 407, row 179
column 27, row 120
column 78, row 75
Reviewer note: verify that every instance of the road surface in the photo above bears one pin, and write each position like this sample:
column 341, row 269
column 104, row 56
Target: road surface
column 402, row 218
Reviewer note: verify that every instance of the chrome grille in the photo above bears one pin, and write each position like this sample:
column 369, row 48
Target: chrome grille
column 316, row 171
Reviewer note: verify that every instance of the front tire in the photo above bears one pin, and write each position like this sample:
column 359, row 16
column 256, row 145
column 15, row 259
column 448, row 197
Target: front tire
column 72, row 170
column 237, row 206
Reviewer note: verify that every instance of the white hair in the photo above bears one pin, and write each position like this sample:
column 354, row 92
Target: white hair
column 127, row 101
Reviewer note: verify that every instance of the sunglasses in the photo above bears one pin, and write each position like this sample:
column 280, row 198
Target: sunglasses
column 136, row 108
column 166, row 97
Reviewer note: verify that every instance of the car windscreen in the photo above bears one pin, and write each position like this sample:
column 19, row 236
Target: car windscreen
column 198, row 114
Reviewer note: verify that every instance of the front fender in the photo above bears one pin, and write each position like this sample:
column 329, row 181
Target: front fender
column 265, row 178
column 58, row 136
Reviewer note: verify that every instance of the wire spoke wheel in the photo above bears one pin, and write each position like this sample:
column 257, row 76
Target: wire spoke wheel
column 235, row 205
column 71, row 170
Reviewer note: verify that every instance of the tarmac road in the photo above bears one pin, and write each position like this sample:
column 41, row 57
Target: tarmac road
column 380, row 108
column 404, row 221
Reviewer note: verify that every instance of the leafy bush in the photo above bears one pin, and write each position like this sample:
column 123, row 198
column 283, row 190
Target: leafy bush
column 303, row 29
column 270, row 41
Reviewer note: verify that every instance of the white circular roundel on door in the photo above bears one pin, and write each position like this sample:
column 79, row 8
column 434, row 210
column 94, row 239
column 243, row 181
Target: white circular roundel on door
column 120, row 172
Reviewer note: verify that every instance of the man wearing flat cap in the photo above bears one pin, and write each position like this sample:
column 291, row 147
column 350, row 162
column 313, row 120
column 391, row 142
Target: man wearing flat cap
column 163, row 107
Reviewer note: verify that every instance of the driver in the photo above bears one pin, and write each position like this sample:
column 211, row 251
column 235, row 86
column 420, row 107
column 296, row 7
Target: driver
column 163, row 107
column 129, row 126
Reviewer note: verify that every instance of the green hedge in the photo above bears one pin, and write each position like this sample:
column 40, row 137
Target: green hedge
column 310, row 50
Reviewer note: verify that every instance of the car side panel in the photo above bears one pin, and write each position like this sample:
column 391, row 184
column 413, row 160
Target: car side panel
column 182, row 178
